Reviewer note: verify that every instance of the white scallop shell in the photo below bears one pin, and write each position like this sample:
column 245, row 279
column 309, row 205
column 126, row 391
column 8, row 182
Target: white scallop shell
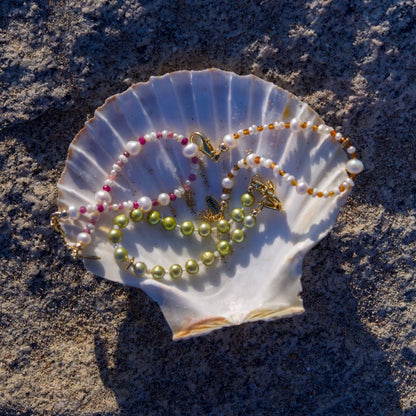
column 261, row 279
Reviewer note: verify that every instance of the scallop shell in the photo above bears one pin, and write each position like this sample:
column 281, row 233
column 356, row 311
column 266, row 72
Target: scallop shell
column 261, row 278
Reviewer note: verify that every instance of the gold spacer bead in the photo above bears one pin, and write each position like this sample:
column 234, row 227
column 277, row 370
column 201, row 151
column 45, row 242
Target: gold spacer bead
column 236, row 136
column 310, row 191
column 303, row 125
column 331, row 193
column 341, row 188
column 259, row 128
column 246, row 132
column 281, row 172
column 320, row 194
column 272, row 166
column 315, row 127
column 333, row 133
column 287, row 125
column 294, row 182
column 271, row 126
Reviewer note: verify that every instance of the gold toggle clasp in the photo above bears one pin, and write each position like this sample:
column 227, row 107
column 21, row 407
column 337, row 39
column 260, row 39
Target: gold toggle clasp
column 267, row 190
column 205, row 145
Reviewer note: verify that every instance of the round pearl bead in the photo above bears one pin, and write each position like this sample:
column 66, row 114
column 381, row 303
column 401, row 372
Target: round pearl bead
column 249, row 221
column 103, row 196
column 163, row 199
column 137, row 214
column 190, row 150
column 139, row 268
column 208, row 258
column 121, row 221
column 146, row 203
column 354, row 166
column 229, row 141
column 114, row 236
column 192, row 267
column 169, row 223
column 153, row 218
column 251, row 160
column 223, row 226
column 227, row 183
column 223, row 247
column 294, row 124
column 175, row 271
column 301, row 187
column 133, row 148
column 121, row 254
column 73, row 212
column 158, row 272
column 84, row 238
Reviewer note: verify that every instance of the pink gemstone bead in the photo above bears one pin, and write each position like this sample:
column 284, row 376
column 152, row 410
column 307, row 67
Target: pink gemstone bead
column 119, row 163
column 155, row 203
column 184, row 141
column 87, row 230
column 192, row 177
column 186, row 187
column 120, row 207
column 93, row 221
column 142, row 140
column 106, row 188
column 159, row 134
column 111, row 177
column 195, row 160
column 100, row 208
column 135, row 204
column 82, row 210
column 170, row 134
column 172, row 196
column 127, row 154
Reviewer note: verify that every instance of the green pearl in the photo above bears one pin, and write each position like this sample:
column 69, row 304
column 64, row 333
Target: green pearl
column 223, row 247
column 187, row 228
column 136, row 215
column 237, row 214
column 121, row 254
column 247, row 199
column 223, row 226
column 175, row 271
column 169, row 223
column 208, row 258
column 139, row 268
column 115, row 236
column 249, row 221
column 153, row 218
column 158, row 272
column 204, row 229
column 121, row 220
column 238, row 236
column 192, row 267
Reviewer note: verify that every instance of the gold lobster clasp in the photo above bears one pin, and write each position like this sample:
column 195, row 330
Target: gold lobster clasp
column 205, row 145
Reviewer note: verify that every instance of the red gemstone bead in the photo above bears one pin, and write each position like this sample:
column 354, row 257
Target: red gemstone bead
column 159, row 134
column 93, row 221
column 127, row 154
column 172, row 196
column 170, row 134
column 195, row 160
column 142, row 140
column 87, row 230
column 155, row 203
column 82, row 210
column 135, row 204
column 106, row 188
column 120, row 207
column 184, row 141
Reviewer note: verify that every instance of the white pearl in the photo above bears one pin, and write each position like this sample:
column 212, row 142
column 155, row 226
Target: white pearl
column 145, row 202
column 281, row 125
column 108, row 182
column 164, row 134
column 105, row 205
column 350, row 182
column 224, row 197
column 163, row 199
column 250, row 160
column 351, row 150
column 90, row 226
column 115, row 207
column 73, row 212
column 117, row 168
column 321, row 129
column 337, row 191
column 267, row 163
column 241, row 164
column 301, row 187
column 148, row 137
column 251, row 130
column 190, row 150
column 276, row 125
column 179, row 137
column 262, row 159
column 188, row 182
column 227, row 183
column 338, row 137
column 113, row 172
column 84, row 238
column 90, row 208
column 354, row 166
column 294, row 124
column 153, row 135
column 240, row 132
column 129, row 204
column 309, row 124
column 326, row 194
column 286, row 177
column 181, row 190
column 123, row 159
column 229, row 141
column 133, row 148
column 103, row 196
column 276, row 170
column 177, row 193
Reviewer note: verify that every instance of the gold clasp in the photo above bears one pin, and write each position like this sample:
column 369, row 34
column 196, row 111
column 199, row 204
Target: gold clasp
column 267, row 190
column 205, row 145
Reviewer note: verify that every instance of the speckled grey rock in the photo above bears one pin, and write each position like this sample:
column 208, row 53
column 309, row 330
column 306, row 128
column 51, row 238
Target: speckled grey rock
column 73, row 344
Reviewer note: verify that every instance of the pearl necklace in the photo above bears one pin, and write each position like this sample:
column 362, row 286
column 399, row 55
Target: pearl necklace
column 190, row 150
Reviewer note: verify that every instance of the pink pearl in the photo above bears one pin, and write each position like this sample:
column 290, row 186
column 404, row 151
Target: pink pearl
column 142, row 140
column 170, row 134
